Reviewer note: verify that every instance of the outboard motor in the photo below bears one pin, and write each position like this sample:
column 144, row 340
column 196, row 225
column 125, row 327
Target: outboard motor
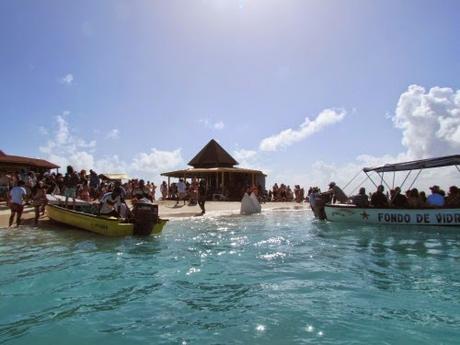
column 145, row 217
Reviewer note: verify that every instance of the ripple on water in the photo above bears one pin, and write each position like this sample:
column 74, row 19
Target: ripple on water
column 276, row 278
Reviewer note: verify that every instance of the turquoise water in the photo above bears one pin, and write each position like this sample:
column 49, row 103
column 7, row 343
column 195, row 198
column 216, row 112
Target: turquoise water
column 275, row 278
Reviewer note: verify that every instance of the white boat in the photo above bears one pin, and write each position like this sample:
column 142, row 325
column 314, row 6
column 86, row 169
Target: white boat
column 351, row 214
column 408, row 216
column 60, row 200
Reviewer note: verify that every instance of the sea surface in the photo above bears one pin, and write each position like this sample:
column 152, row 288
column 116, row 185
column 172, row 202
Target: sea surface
column 276, row 278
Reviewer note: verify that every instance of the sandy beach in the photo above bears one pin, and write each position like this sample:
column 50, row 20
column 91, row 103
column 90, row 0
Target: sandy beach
column 168, row 210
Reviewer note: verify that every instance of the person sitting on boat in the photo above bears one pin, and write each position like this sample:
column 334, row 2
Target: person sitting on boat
column 453, row 198
column 361, row 199
column 337, row 193
column 378, row 199
column 435, row 199
column 398, row 200
column 413, row 199
column 110, row 203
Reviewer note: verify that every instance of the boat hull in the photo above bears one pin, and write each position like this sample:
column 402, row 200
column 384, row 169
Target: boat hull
column 351, row 214
column 107, row 226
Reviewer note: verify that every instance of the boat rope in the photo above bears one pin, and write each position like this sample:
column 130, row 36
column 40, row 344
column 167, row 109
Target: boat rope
column 415, row 179
column 362, row 182
column 382, row 181
column 349, row 182
column 407, row 176
column 370, row 178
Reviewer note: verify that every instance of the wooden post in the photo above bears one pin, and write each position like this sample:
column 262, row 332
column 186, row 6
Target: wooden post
column 169, row 189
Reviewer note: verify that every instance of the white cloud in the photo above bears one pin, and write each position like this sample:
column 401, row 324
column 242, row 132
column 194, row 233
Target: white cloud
column 430, row 121
column 290, row 136
column 113, row 134
column 157, row 161
column 111, row 164
column 67, row 79
column 430, row 126
column 42, row 130
column 219, row 125
column 245, row 158
column 244, row 154
column 65, row 148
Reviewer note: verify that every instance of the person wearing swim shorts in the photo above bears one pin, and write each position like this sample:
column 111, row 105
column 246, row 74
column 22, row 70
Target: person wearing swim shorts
column 17, row 195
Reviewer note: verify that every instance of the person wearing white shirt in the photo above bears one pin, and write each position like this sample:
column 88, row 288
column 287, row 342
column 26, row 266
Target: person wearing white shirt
column 110, row 203
column 181, row 190
column 17, row 195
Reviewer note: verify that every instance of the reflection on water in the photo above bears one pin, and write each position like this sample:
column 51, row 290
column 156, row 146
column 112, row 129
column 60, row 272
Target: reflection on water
column 275, row 278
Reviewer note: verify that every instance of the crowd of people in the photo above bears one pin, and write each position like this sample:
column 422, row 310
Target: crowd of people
column 412, row 198
column 30, row 188
column 285, row 193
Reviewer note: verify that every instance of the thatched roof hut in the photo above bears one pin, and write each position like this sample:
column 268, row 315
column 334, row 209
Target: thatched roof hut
column 217, row 166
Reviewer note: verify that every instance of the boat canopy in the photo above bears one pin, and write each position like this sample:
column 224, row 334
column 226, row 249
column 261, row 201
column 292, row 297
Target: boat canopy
column 418, row 165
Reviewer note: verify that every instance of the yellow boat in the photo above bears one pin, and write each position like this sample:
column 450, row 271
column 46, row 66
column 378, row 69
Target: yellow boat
column 107, row 226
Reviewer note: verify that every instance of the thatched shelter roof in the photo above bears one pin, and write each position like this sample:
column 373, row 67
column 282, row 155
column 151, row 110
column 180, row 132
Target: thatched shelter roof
column 9, row 160
column 212, row 156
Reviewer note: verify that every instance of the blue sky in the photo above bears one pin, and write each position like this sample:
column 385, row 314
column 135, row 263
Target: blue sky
column 126, row 77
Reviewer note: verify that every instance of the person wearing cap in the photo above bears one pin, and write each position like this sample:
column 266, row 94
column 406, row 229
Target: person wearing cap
column 435, row 199
column 361, row 199
column 337, row 193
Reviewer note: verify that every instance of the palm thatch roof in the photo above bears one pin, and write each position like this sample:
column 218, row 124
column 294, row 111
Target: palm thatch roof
column 20, row 161
column 213, row 156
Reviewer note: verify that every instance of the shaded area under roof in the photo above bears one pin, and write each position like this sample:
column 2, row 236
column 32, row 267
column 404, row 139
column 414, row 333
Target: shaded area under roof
column 26, row 161
column 211, row 156
column 418, row 164
column 205, row 171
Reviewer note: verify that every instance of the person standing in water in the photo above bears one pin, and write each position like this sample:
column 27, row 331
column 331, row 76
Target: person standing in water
column 202, row 191
column 17, row 195
column 38, row 200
